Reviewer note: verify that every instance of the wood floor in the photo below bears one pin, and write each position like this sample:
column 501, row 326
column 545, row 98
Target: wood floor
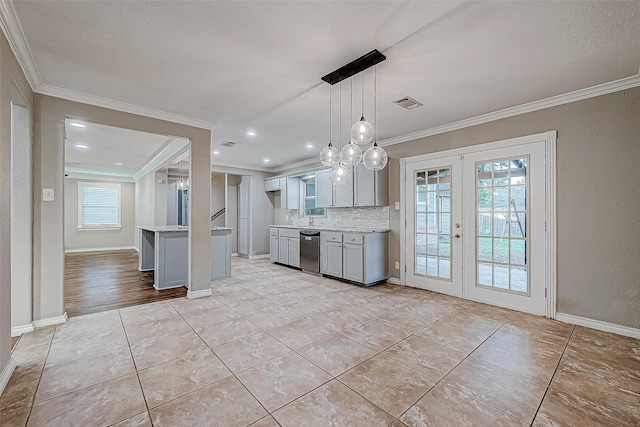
column 107, row 280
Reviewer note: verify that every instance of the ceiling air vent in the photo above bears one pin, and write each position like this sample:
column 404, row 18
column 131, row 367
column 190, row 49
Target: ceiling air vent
column 228, row 144
column 408, row 103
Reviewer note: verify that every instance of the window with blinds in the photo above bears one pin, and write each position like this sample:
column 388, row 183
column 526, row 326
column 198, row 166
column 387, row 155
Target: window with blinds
column 98, row 205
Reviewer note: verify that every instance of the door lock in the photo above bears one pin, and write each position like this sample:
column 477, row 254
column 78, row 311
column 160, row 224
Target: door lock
column 457, row 235
column 457, row 225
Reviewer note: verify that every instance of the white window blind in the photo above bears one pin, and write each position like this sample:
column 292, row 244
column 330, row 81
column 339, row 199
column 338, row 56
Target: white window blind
column 98, row 205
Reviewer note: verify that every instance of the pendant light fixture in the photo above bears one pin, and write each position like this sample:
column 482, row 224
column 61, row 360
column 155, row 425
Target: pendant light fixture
column 329, row 156
column 375, row 158
column 340, row 174
column 362, row 131
column 351, row 154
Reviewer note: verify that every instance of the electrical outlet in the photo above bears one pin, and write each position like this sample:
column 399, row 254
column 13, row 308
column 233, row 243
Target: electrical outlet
column 397, row 206
column 286, row 217
column 397, row 265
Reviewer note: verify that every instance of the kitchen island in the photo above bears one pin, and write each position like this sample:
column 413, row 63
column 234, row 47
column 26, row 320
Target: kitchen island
column 165, row 251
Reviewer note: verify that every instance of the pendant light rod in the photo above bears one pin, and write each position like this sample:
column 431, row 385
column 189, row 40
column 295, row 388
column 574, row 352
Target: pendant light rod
column 330, row 115
column 340, row 117
column 354, row 67
column 375, row 104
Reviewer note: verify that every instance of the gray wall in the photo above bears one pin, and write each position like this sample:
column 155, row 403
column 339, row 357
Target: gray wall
column 13, row 88
column 21, row 216
column 598, row 198
column 49, row 115
column 98, row 239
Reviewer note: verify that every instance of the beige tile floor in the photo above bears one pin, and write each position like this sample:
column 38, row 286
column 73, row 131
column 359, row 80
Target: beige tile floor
column 274, row 347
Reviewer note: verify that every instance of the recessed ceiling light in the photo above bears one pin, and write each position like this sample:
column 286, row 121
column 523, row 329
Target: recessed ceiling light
column 118, row 164
column 309, row 145
column 251, row 133
column 81, row 146
column 216, row 152
column 266, row 160
column 78, row 125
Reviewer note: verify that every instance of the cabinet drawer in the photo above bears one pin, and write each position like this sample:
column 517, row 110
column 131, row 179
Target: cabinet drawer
column 274, row 231
column 331, row 236
column 356, row 239
column 288, row 232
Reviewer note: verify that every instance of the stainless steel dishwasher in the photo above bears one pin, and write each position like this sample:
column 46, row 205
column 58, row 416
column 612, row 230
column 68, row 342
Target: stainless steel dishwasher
column 310, row 251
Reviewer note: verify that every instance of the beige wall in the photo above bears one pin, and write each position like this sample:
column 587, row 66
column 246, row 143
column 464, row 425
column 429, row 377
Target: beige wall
column 13, row 88
column 98, row 239
column 598, row 198
column 50, row 114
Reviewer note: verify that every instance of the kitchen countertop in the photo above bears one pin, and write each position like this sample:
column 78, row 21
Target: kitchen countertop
column 172, row 228
column 338, row 229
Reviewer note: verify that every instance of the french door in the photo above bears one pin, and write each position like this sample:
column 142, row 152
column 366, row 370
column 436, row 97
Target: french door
column 475, row 225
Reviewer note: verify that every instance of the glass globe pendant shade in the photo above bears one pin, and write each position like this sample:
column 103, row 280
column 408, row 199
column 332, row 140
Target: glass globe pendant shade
column 329, row 156
column 375, row 158
column 362, row 132
column 340, row 174
column 351, row 154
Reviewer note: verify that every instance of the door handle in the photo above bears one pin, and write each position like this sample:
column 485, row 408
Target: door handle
column 457, row 235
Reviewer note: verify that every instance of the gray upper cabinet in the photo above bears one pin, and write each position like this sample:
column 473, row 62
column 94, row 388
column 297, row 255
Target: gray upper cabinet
column 324, row 189
column 366, row 188
column 343, row 195
column 293, row 193
column 272, row 184
column 371, row 187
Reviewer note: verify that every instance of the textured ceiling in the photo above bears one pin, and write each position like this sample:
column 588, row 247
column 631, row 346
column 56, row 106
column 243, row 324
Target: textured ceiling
column 257, row 65
column 96, row 149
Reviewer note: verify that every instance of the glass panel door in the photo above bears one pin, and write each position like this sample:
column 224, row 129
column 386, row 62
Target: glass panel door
column 504, row 215
column 434, row 191
column 501, row 226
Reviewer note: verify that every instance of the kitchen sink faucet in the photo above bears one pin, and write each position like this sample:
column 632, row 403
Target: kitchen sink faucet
column 308, row 211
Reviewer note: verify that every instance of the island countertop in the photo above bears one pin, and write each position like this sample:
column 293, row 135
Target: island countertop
column 174, row 228
column 338, row 229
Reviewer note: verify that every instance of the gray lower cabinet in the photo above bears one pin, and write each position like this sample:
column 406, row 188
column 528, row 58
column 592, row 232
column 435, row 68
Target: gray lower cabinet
column 353, row 262
column 331, row 253
column 357, row 257
column 285, row 246
column 274, row 250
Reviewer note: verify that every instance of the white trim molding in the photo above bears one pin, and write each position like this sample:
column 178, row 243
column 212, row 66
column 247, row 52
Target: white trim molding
column 15, row 36
column 551, row 239
column 393, row 280
column 263, row 256
column 50, row 321
column 599, row 325
column 6, row 373
column 113, row 248
column 172, row 148
column 199, row 294
column 16, row 331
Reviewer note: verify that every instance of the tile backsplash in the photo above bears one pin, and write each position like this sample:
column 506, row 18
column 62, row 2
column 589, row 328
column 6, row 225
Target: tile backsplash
column 372, row 217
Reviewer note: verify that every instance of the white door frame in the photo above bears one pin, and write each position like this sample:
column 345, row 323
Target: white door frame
column 549, row 138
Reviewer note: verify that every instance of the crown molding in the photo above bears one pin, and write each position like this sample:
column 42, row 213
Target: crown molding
column 126, row 107
column 301, row 163
column 172, row 148
column 15, row 36
column 229, row 168
column 86, row 174
column 578, row 95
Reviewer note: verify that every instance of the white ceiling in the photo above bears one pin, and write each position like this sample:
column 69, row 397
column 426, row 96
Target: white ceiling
column 109, row 151
column 257, row 65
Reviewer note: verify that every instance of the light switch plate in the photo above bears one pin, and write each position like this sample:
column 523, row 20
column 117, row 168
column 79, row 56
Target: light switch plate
column 47, row 195
column 397, row 265
column 397, row 206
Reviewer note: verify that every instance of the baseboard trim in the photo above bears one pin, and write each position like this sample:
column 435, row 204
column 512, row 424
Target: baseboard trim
column 199, row 294
column 599, row 325
column 112, row 248
column 50, row 321
column 6, row 373
column 16, row 331
column 263, row 256
column 393, row 280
